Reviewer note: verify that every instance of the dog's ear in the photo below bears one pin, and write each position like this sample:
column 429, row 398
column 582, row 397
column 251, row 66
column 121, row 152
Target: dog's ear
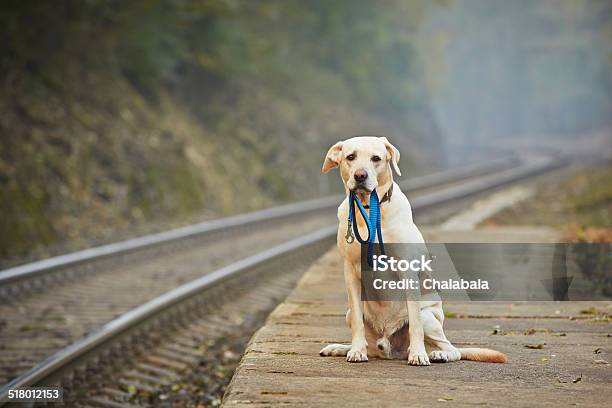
column 393, row 155
column 332, row 159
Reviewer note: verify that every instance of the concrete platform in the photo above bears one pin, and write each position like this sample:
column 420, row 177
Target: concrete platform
column 281, row 365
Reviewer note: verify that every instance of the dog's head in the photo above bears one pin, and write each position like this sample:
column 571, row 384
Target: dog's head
column 365, row 162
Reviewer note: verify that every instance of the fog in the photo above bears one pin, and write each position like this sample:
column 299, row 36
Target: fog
column 520, row 73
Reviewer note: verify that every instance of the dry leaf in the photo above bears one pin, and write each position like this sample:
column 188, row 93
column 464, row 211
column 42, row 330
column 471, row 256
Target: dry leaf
column 445, row 399
column 535, row 346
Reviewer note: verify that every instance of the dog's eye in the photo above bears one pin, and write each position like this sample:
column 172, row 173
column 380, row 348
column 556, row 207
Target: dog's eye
column 350, row 157
column 375, row 158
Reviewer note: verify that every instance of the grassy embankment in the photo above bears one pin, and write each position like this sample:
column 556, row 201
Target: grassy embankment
column 580, row 206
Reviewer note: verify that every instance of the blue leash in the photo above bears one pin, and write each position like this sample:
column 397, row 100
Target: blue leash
column 372, row 222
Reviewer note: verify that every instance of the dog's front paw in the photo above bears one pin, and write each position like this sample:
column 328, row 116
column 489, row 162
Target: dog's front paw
column 418, row 357
column 357, row 355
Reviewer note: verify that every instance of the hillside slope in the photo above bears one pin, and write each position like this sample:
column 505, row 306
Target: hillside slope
column 118, row 119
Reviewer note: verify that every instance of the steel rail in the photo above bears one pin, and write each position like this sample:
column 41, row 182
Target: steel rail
column 79, row 351
column 70, row 260
column 530, row 168
column 127, row 321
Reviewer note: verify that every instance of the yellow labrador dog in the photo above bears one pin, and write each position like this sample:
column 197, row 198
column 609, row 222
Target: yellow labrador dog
column 408, row 330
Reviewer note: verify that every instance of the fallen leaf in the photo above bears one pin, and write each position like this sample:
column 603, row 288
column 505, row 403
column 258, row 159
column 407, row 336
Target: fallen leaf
column 530, row 332
column 597, row 350
column 589, row 311
column 558, row 334
column 535, row 346
column 577, row 379
column 445, row 399
column 601, row 362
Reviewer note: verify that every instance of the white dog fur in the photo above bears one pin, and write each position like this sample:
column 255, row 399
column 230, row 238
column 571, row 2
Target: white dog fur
column 409, row 330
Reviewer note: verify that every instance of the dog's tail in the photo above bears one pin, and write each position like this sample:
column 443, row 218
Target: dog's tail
column 482, row 354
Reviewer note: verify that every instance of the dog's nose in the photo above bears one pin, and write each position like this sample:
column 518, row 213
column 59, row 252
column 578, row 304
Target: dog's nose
column 360, row 175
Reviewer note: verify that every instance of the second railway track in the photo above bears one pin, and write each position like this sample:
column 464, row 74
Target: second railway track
column 121, row 289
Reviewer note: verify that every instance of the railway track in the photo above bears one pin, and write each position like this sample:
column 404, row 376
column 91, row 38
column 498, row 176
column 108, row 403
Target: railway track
column 38, row 274
column 192, row 311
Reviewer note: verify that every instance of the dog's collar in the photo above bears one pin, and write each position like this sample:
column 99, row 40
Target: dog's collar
column 386, row 197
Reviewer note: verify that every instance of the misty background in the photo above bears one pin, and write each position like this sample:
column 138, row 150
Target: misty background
column 520, row 71
column 119, row 118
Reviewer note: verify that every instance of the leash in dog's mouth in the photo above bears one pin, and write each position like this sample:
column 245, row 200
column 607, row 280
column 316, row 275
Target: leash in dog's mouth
column 372, row 221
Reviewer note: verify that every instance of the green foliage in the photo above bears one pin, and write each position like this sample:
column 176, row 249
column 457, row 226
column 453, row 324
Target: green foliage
column 115, row 114
column 118, row 113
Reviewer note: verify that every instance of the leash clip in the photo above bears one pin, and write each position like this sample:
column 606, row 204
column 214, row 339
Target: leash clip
column 350, row 237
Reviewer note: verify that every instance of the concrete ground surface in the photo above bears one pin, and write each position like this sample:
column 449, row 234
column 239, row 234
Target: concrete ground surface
column 559, row 352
